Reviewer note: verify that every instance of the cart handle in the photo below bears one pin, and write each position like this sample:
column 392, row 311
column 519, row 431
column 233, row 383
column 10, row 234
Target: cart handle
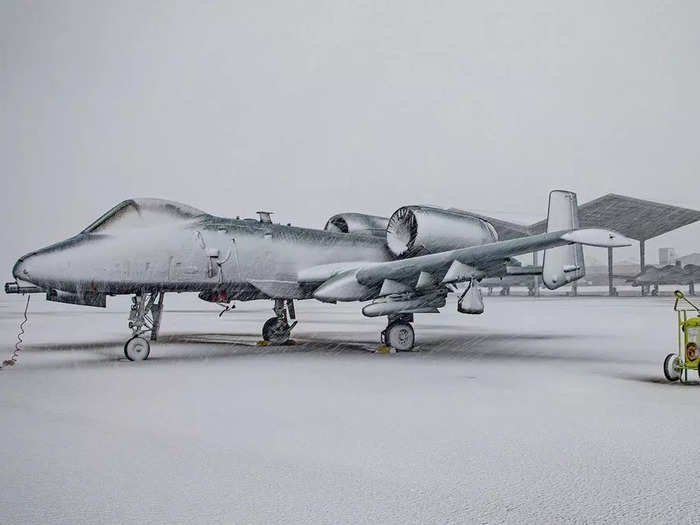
column 680, row 295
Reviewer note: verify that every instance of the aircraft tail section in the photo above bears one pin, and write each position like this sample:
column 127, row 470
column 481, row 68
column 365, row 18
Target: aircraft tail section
column 563, row 264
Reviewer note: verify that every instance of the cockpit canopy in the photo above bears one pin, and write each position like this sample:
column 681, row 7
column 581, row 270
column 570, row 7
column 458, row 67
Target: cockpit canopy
column 142, row 213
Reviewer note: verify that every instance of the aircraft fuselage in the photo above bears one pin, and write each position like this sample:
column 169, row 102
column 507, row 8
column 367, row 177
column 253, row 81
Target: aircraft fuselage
column 205, row 253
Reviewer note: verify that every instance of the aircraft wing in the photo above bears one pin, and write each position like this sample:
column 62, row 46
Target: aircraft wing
column 476, row 257
column 360, row 281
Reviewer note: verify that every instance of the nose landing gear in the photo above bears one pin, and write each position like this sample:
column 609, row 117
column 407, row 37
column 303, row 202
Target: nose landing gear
column 277, row 330
column 144, row 318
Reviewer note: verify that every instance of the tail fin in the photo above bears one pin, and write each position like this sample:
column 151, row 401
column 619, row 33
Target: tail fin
column 563, row 264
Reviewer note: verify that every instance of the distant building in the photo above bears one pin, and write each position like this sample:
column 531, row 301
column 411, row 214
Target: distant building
column 693, row 258
column 667, row 256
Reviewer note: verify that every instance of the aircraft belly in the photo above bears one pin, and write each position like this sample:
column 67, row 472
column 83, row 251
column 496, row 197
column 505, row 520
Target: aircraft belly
column 276, row 289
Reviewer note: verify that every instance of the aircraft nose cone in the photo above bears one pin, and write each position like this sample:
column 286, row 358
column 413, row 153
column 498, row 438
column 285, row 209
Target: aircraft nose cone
column 28, row 268
column 20, row 270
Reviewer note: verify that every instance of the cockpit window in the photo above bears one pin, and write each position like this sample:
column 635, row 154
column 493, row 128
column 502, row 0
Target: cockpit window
column 142, row 213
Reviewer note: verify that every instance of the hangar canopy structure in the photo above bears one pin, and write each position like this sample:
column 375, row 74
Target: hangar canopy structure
column 635, row 218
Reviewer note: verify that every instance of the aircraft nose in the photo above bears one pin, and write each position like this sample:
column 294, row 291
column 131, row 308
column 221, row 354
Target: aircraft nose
column 20, row 269
column 28, row 267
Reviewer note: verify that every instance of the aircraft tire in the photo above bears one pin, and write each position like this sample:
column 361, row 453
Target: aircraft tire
column 137, row 349
column 400, row 336
column 670, row 370
column 275, row 331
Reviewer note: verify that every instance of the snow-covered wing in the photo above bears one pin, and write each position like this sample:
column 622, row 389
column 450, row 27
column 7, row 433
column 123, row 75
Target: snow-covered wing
column 447, row 264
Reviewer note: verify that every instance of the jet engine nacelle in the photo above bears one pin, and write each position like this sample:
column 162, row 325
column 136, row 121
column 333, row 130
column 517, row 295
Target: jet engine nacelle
column 419, row 230
column 357, row 223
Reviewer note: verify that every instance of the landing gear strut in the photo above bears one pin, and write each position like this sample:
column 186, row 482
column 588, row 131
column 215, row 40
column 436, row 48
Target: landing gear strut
column 144, row 318
column 277, row 330
column 399, row 333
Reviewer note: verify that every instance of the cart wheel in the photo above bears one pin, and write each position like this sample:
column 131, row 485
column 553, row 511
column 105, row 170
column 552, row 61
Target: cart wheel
column 672, row 369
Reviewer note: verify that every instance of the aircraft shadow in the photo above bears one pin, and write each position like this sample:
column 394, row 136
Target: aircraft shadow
column 193, row 346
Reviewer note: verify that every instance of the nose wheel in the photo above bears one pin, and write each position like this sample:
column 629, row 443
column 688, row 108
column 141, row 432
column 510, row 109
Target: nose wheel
column 137, row 349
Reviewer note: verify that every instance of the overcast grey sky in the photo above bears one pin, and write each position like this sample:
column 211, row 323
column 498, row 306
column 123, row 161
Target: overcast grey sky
column 311, row 108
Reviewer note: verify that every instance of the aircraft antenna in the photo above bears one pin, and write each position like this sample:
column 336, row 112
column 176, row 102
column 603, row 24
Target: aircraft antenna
column 265, row 216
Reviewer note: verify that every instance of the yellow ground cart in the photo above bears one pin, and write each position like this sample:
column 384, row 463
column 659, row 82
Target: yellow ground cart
column 676, row 365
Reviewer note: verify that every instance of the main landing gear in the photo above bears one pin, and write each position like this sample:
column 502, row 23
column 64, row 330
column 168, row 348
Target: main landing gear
column 277, row 330
column 399, row 333
column 144, row 318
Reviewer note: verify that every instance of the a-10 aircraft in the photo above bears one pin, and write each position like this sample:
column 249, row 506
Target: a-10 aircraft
column 402, row 265
column 669, row 274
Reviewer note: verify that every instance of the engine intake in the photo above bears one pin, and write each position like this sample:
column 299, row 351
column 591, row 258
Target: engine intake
column 418, row 230
column 357, row 223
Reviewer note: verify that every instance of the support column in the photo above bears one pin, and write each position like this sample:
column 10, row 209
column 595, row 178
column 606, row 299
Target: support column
column 642, row 264
column 537, row 279
column 611, row 288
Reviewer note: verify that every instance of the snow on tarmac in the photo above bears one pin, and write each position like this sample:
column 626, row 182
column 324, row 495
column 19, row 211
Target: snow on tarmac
column 541, row 410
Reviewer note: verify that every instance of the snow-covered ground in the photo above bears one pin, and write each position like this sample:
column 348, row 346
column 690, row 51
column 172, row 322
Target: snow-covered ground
column 541, row 410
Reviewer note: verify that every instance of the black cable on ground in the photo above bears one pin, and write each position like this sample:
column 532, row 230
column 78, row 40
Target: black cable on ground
column 18, row 345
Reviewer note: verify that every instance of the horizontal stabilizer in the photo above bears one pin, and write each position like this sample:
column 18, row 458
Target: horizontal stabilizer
column 597, row 237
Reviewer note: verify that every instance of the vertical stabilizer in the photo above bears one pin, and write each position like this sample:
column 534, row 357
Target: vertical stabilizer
column 563, row 264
